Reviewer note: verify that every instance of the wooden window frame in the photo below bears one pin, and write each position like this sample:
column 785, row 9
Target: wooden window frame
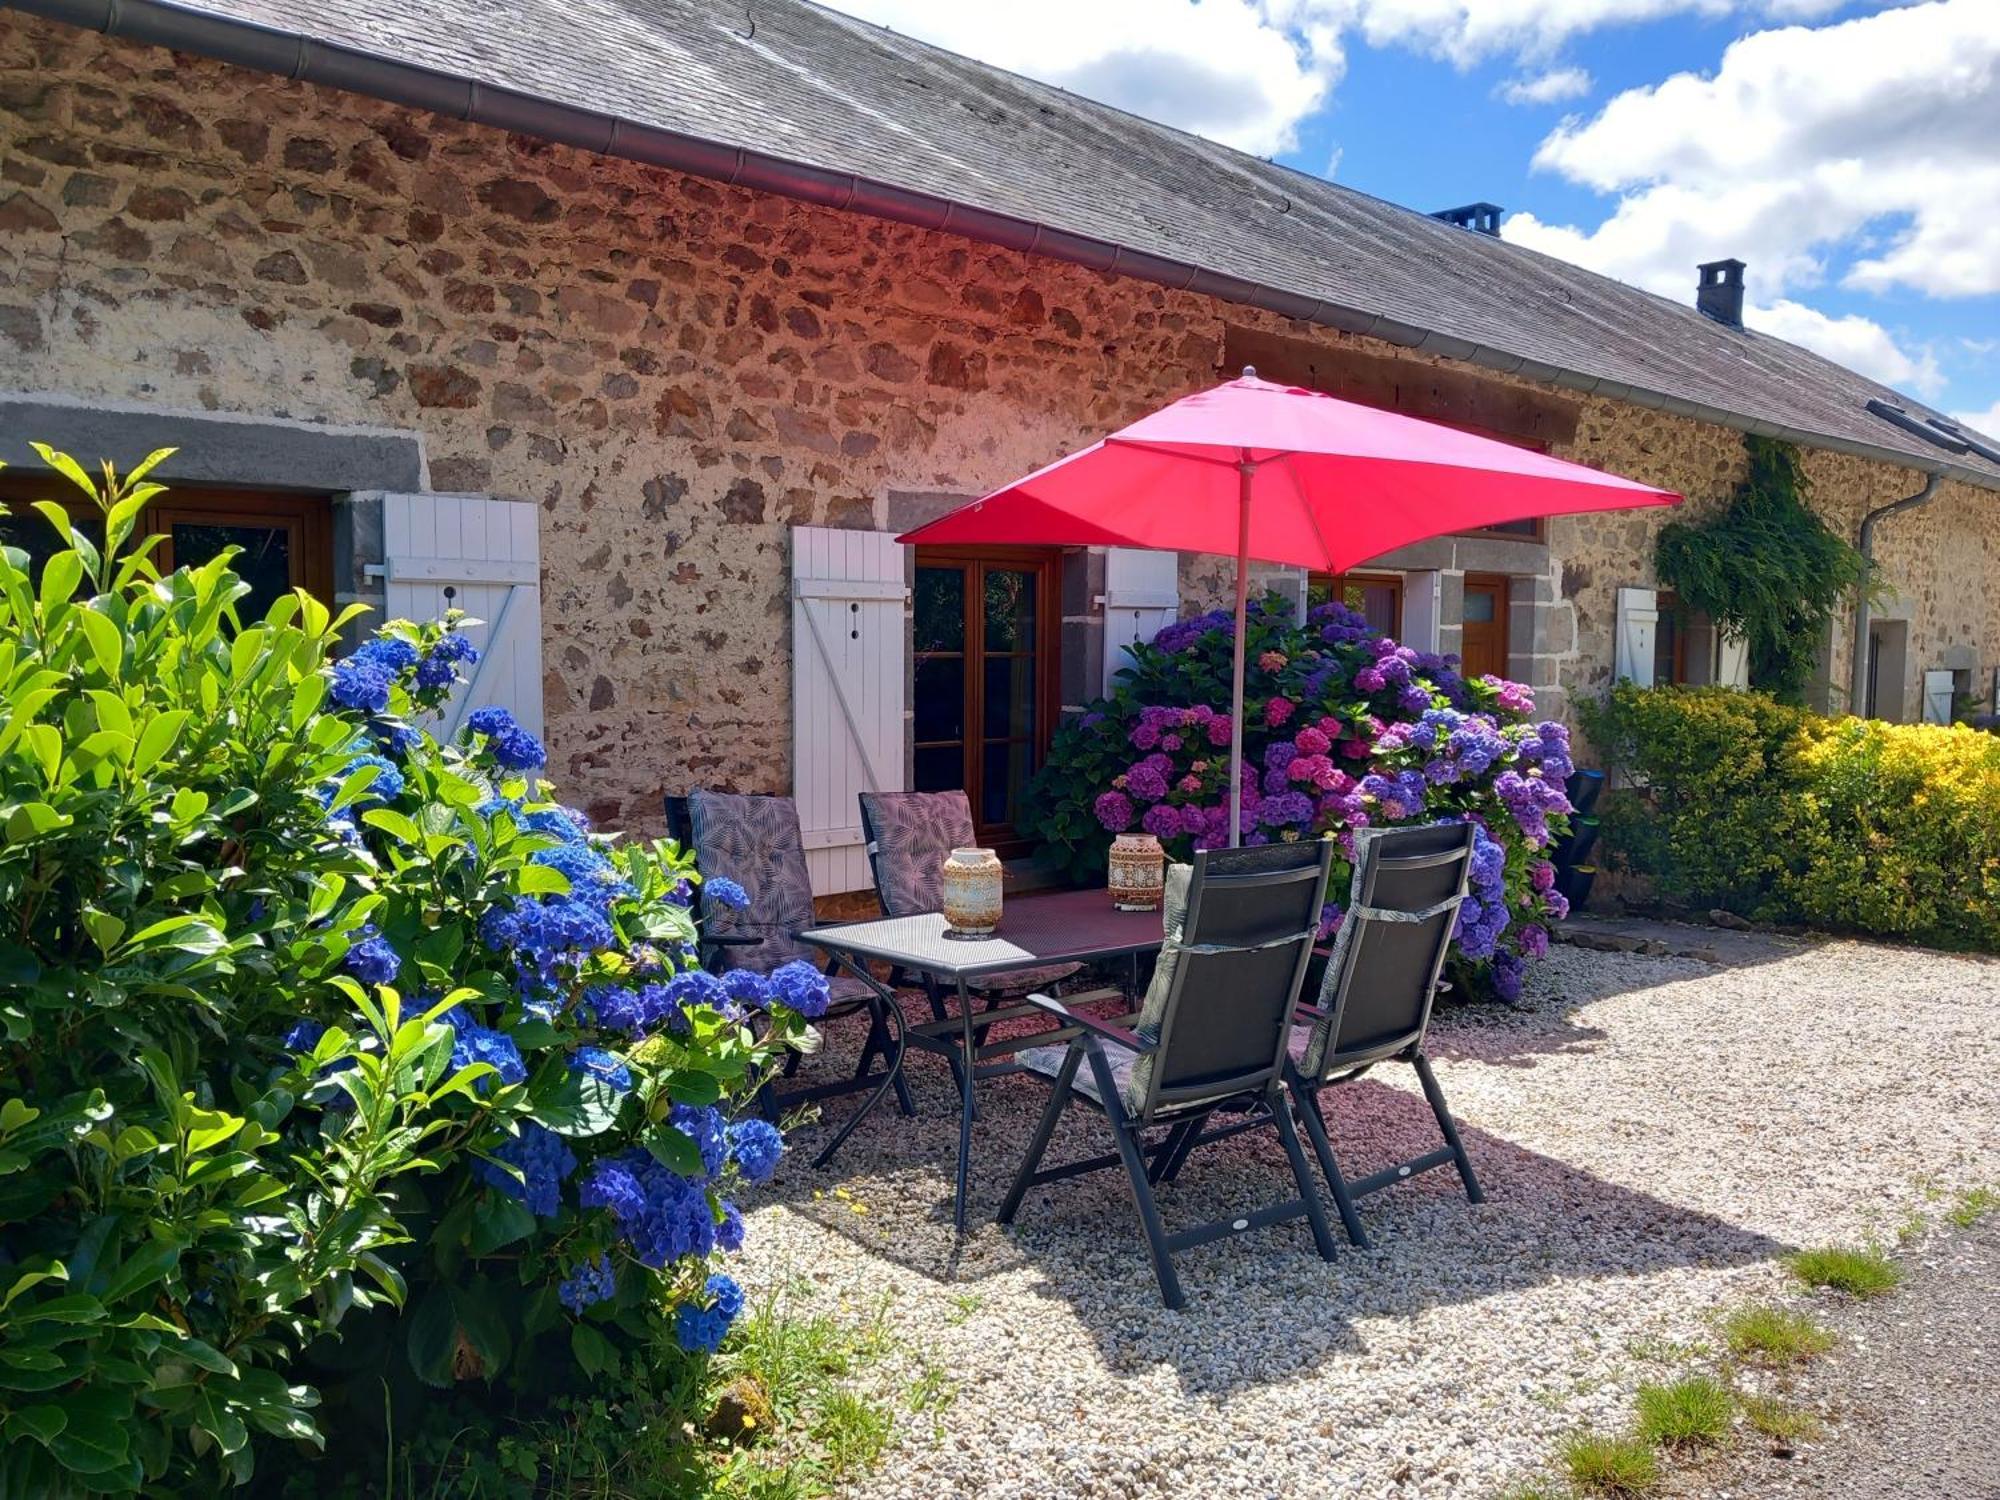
column 1669, row 614
column 1335, row 582
column 306, row 518
column 1047, row 652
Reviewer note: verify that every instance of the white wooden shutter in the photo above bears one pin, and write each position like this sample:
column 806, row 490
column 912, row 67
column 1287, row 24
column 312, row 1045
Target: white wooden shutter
column 1142, row 596
column 848, row 682
column 1938, row 687
column 484, row 557
column 1638, row 626
column 1732, row 660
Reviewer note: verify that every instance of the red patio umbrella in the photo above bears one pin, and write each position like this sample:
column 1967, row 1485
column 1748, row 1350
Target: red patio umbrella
column 1279, row 474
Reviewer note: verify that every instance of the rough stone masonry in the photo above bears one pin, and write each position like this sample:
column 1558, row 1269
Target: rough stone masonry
column 676, row 372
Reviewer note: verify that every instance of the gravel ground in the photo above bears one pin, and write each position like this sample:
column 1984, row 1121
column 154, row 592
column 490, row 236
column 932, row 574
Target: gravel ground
column 1909, row 1398
column 1653, row 1132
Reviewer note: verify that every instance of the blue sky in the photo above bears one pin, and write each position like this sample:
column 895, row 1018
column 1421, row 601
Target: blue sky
column 1848, row 150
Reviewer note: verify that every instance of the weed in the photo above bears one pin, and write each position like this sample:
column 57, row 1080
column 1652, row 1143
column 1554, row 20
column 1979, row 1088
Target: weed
column 852, row 1432
column 1616, row 1466
column 1690, row 1413
column 1539, row 1489
column 1974, row 1205
column 1658, row 1351
column 1781, row 1421
column 963, row 1306
column 1859, row 1273
column 1775, row 1335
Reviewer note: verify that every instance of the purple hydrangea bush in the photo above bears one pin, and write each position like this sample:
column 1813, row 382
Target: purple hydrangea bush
column 1343, row 730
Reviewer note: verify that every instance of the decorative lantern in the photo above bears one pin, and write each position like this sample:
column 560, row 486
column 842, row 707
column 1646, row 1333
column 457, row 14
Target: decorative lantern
column 1138, row 872
column 971, row 893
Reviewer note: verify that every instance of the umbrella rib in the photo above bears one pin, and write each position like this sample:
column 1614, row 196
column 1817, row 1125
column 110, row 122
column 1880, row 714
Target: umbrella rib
column 1172, row 452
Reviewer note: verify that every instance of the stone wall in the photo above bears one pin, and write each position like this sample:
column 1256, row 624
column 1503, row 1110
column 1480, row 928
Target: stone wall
column 675, row 372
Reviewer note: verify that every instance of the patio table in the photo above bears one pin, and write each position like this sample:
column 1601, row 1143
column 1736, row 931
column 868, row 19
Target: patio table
column 1065, row 927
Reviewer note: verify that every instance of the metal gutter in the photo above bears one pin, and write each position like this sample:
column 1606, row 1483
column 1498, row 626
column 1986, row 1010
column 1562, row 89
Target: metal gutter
column 249, row 44
column 1857, row 671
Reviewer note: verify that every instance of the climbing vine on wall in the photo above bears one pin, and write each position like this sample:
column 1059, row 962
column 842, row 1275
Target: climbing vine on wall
column 1766, row 568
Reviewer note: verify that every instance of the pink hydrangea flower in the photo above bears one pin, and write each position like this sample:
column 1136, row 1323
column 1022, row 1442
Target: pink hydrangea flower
column 1312, row 741
column 1272, row 661
column 1189, row 783
column 1277, row 711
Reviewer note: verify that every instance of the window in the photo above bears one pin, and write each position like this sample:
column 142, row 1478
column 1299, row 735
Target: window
column 987, row 626
column 1376, row 597
column 286, row 540
column 1670, row 641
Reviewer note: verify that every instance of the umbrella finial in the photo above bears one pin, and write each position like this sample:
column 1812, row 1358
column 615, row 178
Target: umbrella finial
column 1249, row 372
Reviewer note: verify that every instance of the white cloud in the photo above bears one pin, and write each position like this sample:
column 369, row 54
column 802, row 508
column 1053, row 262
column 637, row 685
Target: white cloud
column 1985, row 423
column 1801, row 140
column 1235, row 71
column 1247, row 72
column 1552, row 87
column 1854, row 341
column 1333, row 163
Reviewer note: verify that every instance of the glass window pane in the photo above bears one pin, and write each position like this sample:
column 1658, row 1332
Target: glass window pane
column 26, row 529
column 1006, row 769
column 941, row 769
column 1666, row 637
column 1479, row 606
column 1010, row 697
column 1378, row 607
column 1010, row 609
column 1515, row 528
column 940, row 698
column 265, row 562
column 940, row 609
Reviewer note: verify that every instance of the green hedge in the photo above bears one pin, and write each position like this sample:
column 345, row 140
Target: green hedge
column 1891, row 830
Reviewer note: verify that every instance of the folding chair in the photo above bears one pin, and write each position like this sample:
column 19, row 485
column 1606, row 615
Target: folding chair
column 1212, row 1034
column 1375, row 1003
column 755, row 842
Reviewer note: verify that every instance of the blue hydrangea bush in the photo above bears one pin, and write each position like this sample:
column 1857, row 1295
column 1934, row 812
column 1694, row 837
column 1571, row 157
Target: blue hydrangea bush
column 1343, row 729
column 337, row 1058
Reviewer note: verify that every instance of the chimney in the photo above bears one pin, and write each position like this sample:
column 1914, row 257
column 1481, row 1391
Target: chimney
column 1719, row 293
column 1480, row 218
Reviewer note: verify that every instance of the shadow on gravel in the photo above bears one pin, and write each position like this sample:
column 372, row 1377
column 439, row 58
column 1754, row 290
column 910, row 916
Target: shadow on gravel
column 1262, row 1306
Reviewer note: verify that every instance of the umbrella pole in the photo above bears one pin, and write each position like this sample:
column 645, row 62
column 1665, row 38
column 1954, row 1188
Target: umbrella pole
column 1248, row 471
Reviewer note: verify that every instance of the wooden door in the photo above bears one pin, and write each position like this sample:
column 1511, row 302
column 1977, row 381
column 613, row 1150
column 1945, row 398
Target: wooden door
column 1483, row 643
column 987, row 626
column 1376, row 597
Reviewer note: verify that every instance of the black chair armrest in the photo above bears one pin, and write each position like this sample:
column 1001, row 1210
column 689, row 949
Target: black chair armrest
column 1131, row 1041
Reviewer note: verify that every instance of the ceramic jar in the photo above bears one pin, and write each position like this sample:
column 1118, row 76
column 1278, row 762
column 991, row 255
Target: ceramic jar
column 1138, row 872
column 972, row 893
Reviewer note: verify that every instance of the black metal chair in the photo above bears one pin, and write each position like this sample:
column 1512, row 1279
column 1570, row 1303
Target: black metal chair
column 1375, row 1003
column 1213, row 1032
column 755, row 842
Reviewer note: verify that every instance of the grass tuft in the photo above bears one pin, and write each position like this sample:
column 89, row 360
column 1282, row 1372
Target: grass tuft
column 1538, row 1490
column 1859, row 1273
column 1616, row 1466
column 1974, row 1205
column 1775, row 1335
column 1781, row 1421
column 1691, row 1413
column 851, row 1432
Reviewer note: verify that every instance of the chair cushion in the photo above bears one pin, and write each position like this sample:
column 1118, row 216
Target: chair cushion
column 911, row 834
column 755, row 842
column 1152, row 1011
column 1048, row 1061
column 847, row 989
column 1021, row 981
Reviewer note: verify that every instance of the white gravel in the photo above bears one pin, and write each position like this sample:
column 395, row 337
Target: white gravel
column 1652, row 1133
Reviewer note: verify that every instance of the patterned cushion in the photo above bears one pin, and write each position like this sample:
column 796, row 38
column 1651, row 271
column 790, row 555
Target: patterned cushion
column 1154, row 1009
column 910, row 834
column 1022, row 981
column 1048, row 1061
column 755, row 842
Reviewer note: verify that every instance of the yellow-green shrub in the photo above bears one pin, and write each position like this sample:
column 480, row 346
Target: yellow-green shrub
column 1700, row 818
column 1895, row 830
column 1892, row 830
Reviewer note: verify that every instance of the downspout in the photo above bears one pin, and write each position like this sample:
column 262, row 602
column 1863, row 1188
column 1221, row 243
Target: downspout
column 1857, row 672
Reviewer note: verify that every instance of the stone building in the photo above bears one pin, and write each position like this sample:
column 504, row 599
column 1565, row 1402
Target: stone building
column 641, row 331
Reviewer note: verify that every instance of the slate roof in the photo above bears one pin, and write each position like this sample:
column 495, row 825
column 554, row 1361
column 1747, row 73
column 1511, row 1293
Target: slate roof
column 785, row 94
